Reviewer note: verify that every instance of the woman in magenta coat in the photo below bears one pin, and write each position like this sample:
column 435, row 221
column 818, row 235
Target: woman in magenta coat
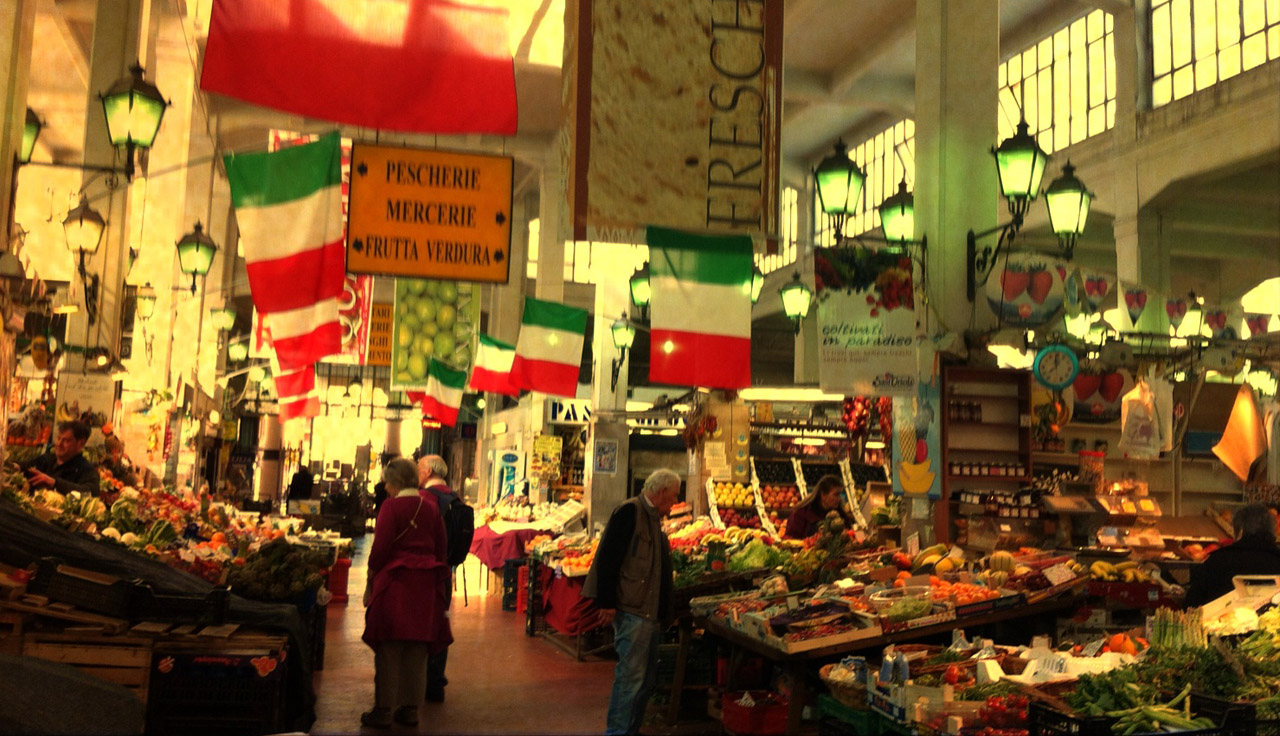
column 407, row 596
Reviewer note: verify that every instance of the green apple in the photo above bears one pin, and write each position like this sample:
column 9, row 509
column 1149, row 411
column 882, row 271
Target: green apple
column 403, row 376
column 431, row 288
column 417, row 286
column 444, row 346
column 446, row 316
column 423, row 345
column 448, row 292
column 426, row 309
column 430, row 329
column 402, row 360
column 404, row 336
column 462, row 356
column 418, row 367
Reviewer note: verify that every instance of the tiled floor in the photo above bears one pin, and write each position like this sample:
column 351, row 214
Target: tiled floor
column 500, row 681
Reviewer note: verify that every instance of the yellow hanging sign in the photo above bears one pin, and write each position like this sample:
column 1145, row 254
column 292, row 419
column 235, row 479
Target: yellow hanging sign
column 429, row 214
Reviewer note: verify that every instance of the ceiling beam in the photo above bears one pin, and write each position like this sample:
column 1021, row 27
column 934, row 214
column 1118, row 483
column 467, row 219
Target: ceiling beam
column 79, row 60
column 1114, row 7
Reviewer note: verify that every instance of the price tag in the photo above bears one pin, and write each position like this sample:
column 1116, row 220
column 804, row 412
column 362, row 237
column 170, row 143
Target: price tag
column 1059, row 574
column 913, row 544
column 1006, row 529
column 793, row 602
column 1092, row 648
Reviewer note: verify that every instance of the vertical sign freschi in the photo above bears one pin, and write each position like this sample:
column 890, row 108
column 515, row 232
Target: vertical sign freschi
column 673, row 116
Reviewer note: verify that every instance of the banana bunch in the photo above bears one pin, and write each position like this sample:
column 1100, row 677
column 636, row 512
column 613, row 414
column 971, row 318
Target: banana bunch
column 1127, row 571
column 737, row 535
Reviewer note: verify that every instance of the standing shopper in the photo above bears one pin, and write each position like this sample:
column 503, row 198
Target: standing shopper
column 631, row 581
column 407, row 596
column 432, row 471
column 825, row 498
column 1253, row 553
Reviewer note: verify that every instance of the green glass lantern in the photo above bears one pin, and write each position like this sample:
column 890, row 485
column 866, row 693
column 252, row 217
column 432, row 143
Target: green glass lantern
column 641, row 291
column 898, row 216
column 624, row 335
column 30, row 132
column 796, row 298
column 195, row 253
column 83, row 227
column 237, row 352
column 839, row 181
column 1068, row 201
column 145, row 301
column 1020, row 164
column 224, row 319
column 134, row 108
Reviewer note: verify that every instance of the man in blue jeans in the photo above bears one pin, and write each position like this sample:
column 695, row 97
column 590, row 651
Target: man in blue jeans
column 631, row 580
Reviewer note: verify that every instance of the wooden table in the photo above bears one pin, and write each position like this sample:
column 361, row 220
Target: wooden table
column 795, row 664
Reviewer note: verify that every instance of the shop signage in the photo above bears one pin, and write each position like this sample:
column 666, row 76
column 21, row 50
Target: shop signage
column 568, row 411
column 544, row 463
column 88, row 397
column 429, row 214
column 379, row 334
column 675, row 123
column 917, row 450
column 867, row 322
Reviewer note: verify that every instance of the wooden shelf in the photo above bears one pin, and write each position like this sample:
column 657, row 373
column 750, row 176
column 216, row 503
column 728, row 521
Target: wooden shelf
column 568, row 488
column 996, row 425
column 1002, row 397
column 1075, row 457
column 1000, row 478
column 987, row 449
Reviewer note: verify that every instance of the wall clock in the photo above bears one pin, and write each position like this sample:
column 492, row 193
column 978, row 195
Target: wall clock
column 1055, row 367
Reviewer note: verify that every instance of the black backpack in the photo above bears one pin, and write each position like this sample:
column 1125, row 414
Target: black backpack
column 459, row 525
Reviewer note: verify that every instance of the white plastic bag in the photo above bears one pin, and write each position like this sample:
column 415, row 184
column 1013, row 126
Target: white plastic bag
column 1139, row 423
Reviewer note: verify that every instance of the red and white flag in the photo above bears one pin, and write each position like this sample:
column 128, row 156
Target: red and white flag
column 428, row 66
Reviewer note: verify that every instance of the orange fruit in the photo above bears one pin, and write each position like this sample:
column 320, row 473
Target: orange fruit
column 900, row 583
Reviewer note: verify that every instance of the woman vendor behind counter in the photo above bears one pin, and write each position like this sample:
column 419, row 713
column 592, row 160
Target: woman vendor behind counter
column 825, row 498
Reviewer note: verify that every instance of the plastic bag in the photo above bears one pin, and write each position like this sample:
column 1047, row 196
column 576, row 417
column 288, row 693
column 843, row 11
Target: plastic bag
column 1139, row 423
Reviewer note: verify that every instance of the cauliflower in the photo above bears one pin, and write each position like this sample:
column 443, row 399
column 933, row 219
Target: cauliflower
column 112, row 533
column 129, row 539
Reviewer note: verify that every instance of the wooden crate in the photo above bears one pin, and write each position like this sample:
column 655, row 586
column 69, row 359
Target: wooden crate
column 123, row 660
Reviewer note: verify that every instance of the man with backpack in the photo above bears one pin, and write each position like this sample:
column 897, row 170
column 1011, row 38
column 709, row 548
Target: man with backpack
column 459, row 527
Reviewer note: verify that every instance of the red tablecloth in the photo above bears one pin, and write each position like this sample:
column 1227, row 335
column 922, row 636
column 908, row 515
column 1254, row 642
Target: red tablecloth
column 493, row 549
column 565, row 610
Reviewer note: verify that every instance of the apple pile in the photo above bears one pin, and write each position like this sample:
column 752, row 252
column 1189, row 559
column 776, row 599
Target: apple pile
column 731, row 517
column 856, row 413
column 780, row 496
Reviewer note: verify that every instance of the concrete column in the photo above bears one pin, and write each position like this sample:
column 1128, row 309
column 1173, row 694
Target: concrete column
column 551, row 233
column 504, row 303
column 957, row 54
column 613, row 299
column 18, row 20
column 122, row 36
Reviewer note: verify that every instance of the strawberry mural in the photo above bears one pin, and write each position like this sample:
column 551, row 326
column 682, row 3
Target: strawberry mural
column 1096, row 397
column 1026, row 289
column 1220, row 323
column 1135, row 300
column 1176, row 309
column 1257, row 323
column 1096, row 288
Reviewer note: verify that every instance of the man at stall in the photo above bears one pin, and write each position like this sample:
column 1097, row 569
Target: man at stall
column 65, row 469
column 825, row 498
column 631, row 581
column 1253, row 553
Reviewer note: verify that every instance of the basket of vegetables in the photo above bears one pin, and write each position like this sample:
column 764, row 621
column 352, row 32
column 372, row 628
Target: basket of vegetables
column 845, row 685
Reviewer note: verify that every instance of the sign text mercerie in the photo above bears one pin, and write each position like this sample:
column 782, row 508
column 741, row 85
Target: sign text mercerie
column 429, row 214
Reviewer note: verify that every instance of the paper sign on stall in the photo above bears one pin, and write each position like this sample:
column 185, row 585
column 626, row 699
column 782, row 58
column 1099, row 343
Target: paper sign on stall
column 716, row 459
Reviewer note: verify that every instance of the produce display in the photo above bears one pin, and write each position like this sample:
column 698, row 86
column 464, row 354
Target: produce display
column 194, row 535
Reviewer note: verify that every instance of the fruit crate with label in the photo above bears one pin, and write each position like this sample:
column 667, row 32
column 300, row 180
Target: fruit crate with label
column 735, row 504
column 779, row 490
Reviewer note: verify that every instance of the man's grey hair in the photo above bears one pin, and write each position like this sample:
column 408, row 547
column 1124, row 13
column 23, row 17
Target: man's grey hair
column 1253, row 520
column 660, row 480
column 400, row 474
column 436, row 464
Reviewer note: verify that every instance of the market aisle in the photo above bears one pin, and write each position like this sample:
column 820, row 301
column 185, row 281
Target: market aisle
column 501, row 681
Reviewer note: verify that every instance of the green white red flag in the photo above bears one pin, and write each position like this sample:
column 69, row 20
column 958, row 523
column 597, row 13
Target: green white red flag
column 445, row 387
column 549, row 349
column 491, row 370
column 700, row 330
column 288, row 208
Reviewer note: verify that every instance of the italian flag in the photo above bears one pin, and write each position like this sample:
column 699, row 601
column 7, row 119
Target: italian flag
column 443, row 396
column 549, row 349
column 288, row 208
column 491, row 370
column 700, row 331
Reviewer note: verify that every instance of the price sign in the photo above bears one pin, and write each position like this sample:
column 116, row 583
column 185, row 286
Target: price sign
column 1059, row 574
column 1092, row 648
column 913, row 544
